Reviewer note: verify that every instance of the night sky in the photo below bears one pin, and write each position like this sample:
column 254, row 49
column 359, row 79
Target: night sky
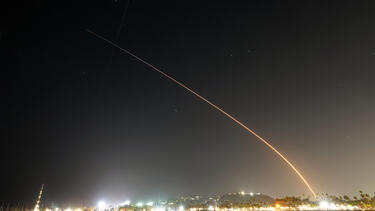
column 91, row 122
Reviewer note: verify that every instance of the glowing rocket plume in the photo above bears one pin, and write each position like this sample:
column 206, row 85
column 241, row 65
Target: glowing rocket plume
column 36, row 208
column 213, row 105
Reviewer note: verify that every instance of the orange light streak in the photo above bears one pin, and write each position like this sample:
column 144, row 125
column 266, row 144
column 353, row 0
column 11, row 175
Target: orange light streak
column 216, row 107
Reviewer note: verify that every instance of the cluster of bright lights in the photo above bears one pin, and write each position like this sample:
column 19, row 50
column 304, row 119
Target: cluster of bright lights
column 323, row 205
column 66, row 209
column 331, row 206
column 251, row 193
column 158, row 209
column 125, row 203
column 305, row 207
column 101, row 205
column 180, row 208
column 149, row 206
column 239, row 209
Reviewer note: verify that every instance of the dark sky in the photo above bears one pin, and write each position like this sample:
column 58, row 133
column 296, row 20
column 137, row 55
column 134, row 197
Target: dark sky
column 93, row 123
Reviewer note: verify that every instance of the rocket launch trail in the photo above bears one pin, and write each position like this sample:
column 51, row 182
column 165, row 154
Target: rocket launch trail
column 216, row 107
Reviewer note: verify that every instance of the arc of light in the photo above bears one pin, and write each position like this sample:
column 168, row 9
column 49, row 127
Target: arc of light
column 215, row 106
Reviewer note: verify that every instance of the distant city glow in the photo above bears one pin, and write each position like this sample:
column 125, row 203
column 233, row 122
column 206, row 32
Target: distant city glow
column 239, row 201
column 159, row 209
column 139, row 204
column 101, row 205
column 126, row 203
column 324, row 204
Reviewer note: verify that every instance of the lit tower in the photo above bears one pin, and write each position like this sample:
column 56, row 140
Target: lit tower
column 36, row 208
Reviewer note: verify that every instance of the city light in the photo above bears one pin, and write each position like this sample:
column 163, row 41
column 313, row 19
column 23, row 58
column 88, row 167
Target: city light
column 101, row 205
column 324, row 204
column 160, row 209
column 237, row 201
column 126, row 203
